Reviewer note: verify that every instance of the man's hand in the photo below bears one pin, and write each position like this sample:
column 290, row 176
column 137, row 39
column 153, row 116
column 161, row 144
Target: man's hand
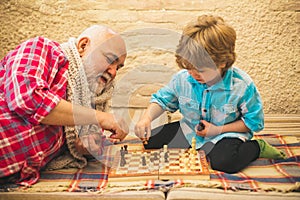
column 115, row 125
column 91, row 144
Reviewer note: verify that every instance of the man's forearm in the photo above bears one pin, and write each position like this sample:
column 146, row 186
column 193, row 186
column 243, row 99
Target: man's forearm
column 68, row 114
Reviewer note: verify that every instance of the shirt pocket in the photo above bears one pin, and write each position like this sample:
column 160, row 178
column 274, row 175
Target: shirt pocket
column 189, row 108
column 224, row 114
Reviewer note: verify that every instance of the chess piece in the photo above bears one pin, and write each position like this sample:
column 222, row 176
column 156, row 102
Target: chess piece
column 166, row 156
column 155, row 156
column 122, row 153
column 165, row 148
column 126, row 149
column 123, row 160
column 200, row 126
column 144, row 139
column 194, row 146
column 143, row 160
column 186, row 164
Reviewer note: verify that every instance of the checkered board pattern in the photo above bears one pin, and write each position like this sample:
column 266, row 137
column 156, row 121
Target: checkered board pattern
column 157, row 167
column 177, row 163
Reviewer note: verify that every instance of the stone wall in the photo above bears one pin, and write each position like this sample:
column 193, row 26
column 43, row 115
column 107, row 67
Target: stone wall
column 267, row 44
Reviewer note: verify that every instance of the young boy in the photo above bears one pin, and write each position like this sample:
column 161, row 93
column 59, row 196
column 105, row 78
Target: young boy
column 220, row 104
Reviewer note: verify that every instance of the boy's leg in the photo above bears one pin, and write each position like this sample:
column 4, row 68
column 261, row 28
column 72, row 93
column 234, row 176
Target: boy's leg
column 169, row 134
column 231, row 155
column 268, row 151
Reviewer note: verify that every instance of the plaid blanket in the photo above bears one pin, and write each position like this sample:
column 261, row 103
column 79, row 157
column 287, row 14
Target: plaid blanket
column 262, row 174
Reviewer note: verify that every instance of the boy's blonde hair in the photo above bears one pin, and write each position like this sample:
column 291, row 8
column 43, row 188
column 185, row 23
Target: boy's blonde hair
column 206, row 42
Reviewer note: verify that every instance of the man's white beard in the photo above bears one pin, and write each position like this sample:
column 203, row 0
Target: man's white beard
column 94, row 86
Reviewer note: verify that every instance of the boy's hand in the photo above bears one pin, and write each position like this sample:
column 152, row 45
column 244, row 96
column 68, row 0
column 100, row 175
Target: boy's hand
column 143, row 129
column 209, row 129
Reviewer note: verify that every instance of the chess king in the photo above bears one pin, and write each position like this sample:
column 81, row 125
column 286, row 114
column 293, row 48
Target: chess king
column 209, row 90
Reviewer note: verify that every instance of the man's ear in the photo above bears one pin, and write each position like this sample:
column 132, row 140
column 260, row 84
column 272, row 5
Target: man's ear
column 82, row 44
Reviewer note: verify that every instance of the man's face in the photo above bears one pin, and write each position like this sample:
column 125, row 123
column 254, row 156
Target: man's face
column 102, row 61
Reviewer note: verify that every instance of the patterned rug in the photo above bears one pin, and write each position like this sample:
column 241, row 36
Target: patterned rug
column 261, row 175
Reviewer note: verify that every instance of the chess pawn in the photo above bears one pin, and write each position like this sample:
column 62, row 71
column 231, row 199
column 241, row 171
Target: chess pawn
column 186, row 163
column 165, row 148
column 195, row 152
column 194, row 143
column 186, row 155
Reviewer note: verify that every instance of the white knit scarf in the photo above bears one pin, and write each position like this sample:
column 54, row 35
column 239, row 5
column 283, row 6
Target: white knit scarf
column 78, row 93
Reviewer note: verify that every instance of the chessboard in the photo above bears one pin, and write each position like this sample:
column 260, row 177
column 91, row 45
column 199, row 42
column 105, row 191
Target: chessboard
column 159, row 164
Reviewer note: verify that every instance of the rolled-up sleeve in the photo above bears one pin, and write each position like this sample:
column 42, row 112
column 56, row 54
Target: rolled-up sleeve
column 252, row 109
column 32, row 85
column 166, row 97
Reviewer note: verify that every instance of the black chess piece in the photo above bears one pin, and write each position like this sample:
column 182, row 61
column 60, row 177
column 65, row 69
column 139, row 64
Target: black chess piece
column 166, row 157
column 143, row 161
column 123, row 160
column 155, row 156
column 125, row 148
column 200, row 126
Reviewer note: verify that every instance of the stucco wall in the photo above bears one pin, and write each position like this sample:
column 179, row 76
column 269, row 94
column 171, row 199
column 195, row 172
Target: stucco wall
column 267, row 44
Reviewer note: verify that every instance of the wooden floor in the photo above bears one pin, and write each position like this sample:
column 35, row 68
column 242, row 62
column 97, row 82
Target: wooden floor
column 288, row 124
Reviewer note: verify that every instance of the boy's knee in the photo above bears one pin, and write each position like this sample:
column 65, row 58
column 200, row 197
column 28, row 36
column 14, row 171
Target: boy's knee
column 225, row 165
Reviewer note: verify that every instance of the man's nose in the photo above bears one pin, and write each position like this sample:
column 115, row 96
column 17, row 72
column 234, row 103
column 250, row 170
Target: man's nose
column 112, row 70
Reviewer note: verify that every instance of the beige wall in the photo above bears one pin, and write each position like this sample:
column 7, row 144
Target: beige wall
column 267, row 44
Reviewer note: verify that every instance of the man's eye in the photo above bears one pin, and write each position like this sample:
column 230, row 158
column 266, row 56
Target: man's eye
column 119, row 67
column 110, row 60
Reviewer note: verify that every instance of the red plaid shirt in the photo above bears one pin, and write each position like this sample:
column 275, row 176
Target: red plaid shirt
column 33, row 79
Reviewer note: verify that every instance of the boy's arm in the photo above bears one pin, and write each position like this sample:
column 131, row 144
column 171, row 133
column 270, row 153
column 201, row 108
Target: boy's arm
column 236, row 126
column 153, row 111
column 144, row 125
column 212, row 130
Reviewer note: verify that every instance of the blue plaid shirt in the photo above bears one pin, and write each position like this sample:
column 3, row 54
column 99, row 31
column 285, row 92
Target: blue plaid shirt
column 233, row 98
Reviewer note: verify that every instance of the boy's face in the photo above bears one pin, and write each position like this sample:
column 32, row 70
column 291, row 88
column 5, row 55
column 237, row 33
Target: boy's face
column 206, row 75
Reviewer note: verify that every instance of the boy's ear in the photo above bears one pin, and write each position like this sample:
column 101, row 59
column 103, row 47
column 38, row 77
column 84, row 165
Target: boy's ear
column 82, row 44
